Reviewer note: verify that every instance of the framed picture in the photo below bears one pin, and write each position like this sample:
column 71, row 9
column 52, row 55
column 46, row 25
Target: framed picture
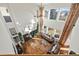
column 12, row 31
column 53, row 14
column 7, row 19
column 63, row 14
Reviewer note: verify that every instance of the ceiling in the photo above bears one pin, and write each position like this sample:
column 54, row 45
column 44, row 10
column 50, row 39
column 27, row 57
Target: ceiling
column 36, row 5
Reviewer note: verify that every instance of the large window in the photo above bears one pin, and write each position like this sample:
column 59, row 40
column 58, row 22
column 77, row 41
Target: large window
column 57, row 14
column 63, row 14
column 53, row 14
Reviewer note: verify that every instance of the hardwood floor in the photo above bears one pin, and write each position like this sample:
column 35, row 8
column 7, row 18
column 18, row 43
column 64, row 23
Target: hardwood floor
column 36, row 46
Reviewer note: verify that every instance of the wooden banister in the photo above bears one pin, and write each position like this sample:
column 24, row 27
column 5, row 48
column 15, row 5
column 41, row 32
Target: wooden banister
column 71, row 20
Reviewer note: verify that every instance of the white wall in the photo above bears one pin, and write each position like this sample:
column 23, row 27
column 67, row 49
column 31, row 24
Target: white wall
column 5, row 40
column 74, row 38
column 23, row 13
column 54, row 24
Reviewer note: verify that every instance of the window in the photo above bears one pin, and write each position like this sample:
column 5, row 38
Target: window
column 46, row 14
column 63, row 14
column 59, row 14
column 53, row 14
